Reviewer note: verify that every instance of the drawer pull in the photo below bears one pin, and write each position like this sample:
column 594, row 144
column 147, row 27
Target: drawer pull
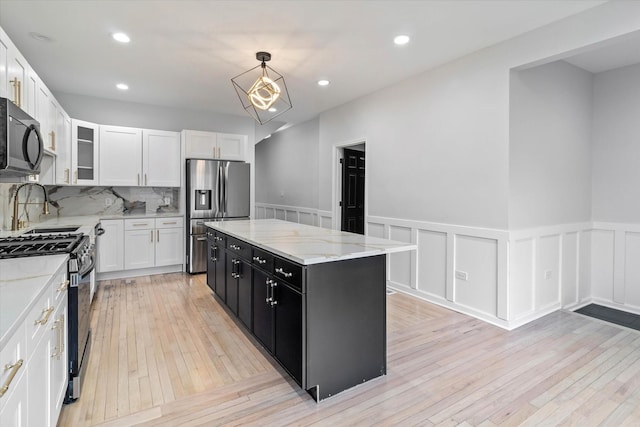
column 45, row 319
column 63, row 286
column 139, row 224
column 259, row 260
column 171, row 223
column 14, row 371
column 284, row 273
column 59, row 349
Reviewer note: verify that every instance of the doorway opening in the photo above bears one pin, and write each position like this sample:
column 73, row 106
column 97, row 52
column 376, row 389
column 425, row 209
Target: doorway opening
column 351, row 188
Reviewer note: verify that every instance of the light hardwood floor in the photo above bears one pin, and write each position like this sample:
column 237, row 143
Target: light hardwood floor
column 165, row 353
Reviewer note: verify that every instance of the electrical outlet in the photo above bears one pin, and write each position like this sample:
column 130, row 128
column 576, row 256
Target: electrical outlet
column 167, row 200
column 108, row 201
column 462, row 275
column 547, row 274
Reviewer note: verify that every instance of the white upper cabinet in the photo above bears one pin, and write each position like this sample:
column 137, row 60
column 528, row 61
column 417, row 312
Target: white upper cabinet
column 211, row 145
column 64, row 148
column 85, row 144
column 4, row 74
column 232, row 147
column 120, row 156
column 135, row 157
column 161, row 163
column 18, row 74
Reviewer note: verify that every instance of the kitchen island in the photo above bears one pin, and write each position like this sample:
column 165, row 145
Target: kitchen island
column 315, row 298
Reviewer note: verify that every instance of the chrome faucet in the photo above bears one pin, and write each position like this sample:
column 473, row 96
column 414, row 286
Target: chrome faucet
column 15, row 224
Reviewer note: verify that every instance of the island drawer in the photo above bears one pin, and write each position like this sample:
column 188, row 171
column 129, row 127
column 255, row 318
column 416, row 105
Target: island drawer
column 288, row 271
column 238, row 247
column 217, row 237
column 262, row 259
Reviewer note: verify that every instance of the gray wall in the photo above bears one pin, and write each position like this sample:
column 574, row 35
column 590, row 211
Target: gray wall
column 118, row 113
column 287, row 167
column 438, row 144
column 550, row 146
column 616, row 146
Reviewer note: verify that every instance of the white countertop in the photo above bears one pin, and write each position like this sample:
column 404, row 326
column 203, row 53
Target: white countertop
column 22, row 282
column 86, row 223
column 306, row 244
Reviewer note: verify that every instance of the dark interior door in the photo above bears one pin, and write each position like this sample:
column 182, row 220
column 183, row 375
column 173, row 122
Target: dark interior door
column 353, row 171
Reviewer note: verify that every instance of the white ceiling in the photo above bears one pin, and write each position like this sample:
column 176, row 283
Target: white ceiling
column 184, row 53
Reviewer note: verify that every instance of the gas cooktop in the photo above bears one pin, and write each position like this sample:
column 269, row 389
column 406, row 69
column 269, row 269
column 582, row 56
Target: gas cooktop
column 38, row 244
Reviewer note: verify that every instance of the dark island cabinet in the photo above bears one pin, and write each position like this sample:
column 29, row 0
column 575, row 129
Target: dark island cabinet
column 263, row 312
column 239, row 280
column 324, row 323
column 288, row 328
column 216, row 263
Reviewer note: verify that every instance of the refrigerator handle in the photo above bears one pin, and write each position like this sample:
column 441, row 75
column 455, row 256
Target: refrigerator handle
column 225, row 181
column 218, row 193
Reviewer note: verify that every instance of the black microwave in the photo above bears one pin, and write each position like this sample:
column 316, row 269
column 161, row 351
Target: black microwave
column 21, row 146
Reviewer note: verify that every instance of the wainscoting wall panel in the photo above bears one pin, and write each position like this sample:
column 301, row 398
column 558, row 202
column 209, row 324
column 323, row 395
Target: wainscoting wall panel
column 476, row 273
column 443, row 248
column 615, row 265
column 569, row 276
column 544, row 271
column 602, row 264
column 432, row 263
column 300, row 215
column 507, row 278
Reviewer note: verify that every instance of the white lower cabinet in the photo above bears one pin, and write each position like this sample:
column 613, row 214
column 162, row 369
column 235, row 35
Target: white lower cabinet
column 169, row 240
column 39, row 383
column 131, row 244
column 13, row 375
column 59, row 356
column 37, row 359
column 111, row 246
column 139, row 243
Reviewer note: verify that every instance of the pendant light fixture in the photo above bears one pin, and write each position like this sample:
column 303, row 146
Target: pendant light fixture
column 262, row 91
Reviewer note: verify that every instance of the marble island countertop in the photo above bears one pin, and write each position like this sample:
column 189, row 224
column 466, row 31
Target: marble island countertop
column 22, row 282
column 305, row 244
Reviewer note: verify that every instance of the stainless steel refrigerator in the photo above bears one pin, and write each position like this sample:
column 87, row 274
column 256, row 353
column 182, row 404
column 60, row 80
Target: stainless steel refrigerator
column 217, row 190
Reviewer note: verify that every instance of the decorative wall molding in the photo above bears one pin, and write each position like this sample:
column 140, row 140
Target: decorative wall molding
column 479, row 255
column 301, row 215
column 507, row 278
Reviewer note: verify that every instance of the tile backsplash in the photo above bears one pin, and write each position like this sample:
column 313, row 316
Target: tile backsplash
column 72, row 201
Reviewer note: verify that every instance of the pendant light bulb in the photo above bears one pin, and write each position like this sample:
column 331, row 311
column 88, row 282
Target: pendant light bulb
column 264, row 92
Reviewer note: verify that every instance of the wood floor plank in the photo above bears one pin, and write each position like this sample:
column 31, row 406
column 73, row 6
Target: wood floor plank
column 166, row 352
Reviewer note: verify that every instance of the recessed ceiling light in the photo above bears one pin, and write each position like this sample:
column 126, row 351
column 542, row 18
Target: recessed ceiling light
column 121, row 37
column 122, row 86
column 273, row 109
column 323, row 82
column 401, row 39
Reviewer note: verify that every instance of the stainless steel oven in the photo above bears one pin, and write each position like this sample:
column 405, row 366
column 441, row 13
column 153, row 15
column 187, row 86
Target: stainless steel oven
column 82, row 264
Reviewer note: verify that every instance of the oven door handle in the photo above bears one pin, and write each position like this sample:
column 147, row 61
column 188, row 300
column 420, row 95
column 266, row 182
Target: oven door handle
column 89, row 269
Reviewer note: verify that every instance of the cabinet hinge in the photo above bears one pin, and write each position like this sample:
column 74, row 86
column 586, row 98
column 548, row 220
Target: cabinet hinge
column 341, row 161
column 340, row 203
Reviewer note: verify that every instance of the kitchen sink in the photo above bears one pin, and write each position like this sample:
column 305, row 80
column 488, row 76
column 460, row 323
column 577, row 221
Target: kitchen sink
column 45, row 230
